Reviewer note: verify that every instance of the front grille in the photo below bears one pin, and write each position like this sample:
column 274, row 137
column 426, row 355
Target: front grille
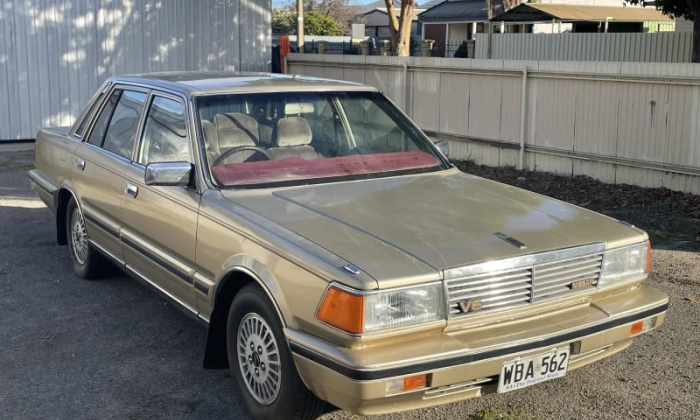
column 525, row 280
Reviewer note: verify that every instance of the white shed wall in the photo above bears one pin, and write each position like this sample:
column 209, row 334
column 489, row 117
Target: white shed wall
column 54, row 54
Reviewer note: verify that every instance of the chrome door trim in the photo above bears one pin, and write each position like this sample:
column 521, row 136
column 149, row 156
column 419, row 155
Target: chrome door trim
column 164, row 260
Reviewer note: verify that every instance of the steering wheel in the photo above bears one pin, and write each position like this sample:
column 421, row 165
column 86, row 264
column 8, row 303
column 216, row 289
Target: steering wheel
column 238, row 149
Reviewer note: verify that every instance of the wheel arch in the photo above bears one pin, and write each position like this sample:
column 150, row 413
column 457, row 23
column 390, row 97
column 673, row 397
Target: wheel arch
column 63, row 196
column 233, row 279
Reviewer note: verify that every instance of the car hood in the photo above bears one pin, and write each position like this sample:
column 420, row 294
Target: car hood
column 401, row 230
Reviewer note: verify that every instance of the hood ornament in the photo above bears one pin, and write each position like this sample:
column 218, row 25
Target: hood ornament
column 511, row 240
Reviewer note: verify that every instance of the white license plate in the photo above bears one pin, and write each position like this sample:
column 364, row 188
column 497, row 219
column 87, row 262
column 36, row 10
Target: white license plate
column 528, row 371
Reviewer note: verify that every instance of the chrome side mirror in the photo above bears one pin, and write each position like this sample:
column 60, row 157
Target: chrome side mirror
column 444, row 147
column 168, row 173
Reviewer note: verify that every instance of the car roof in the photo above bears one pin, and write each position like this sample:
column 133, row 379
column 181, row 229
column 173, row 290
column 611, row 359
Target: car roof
column 203, row 83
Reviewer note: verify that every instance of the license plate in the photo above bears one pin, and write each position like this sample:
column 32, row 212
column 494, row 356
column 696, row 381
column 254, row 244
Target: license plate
column 528, row 371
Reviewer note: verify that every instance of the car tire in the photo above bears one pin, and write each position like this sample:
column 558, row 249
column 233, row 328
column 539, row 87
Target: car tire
column 261, row 364
column 87, row 262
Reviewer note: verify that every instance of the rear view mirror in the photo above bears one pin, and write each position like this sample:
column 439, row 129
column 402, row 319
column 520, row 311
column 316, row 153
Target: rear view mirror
column 444, row 147
column 168, row 173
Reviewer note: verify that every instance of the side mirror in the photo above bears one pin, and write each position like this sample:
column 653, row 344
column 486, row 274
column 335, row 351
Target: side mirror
column 168, row 173
column 444, row 147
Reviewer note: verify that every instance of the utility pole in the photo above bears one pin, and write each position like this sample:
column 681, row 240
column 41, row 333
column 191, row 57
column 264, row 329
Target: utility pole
column 300, row 25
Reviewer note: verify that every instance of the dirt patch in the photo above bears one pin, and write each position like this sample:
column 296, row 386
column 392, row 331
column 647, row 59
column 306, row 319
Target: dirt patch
column 671, row 218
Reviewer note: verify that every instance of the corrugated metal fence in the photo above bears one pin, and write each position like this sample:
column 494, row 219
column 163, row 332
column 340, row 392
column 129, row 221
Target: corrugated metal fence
column 635, row 123
column 55, row 54
column 669, row 47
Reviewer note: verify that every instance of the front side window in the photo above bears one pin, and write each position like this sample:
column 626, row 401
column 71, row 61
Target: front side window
column 121, row 130
column 309, row 137
column 165, row 133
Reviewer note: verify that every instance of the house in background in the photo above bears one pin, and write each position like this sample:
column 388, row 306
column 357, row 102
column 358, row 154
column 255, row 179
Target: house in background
column 374, row 16
column 451, row 22
column 557, row 18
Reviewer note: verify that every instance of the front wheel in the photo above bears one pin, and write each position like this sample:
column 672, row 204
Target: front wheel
column 261, row 365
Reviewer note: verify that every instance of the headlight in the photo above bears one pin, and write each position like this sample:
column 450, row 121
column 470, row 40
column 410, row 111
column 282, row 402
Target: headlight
column 357, row 312
column 625, row 263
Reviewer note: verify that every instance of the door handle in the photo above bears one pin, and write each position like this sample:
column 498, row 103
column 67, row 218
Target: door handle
column 80, row 163
column 131, row 190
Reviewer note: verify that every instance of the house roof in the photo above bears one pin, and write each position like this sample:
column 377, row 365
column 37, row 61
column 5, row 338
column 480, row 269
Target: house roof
column 428, row 4
column 376, row 5
column 459, row 11
column 538, row 12
column 382, row 10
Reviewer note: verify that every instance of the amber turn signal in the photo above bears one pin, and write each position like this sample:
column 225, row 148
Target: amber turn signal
column 414, row 382
column 637, row 327
column 343, row 310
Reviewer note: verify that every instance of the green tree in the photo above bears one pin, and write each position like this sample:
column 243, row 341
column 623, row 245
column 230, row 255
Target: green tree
column 283, row 21
column 315, row 23
column 689, row 9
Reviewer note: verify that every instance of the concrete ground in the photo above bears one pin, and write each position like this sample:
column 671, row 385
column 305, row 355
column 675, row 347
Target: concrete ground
column 75, row 349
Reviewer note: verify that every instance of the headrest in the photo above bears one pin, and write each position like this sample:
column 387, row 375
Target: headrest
column 237, row 120
column 231, row 132
column 211, row 139
column 293, row 131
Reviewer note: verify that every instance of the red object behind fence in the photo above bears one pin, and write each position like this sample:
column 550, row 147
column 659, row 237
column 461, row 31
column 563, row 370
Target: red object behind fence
column 284, row 50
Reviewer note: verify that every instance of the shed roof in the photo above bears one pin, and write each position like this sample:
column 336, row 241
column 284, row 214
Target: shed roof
column 459, row 11
column 538, row 12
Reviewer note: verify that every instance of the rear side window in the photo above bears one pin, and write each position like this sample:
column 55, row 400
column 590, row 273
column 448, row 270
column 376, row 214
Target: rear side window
column 165, row 133
column 121, row 131
column 88, row 115
column 97, row 135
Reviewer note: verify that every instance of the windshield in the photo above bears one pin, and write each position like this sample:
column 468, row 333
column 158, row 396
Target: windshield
column 297, row 138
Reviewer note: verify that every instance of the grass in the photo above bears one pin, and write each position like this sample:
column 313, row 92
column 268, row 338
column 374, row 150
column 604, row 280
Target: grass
column 494, row 415
column 15, row 166
column 16, row 161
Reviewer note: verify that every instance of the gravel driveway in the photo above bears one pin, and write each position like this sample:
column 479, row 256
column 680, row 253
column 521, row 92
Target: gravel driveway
column 75, row 349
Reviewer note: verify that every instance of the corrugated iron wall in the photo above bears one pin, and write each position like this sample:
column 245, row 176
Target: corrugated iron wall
column 54, row 54
column 636, row 123
column 668, row 47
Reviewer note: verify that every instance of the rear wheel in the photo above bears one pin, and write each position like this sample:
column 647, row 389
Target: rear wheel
column 87, row 262
column 262, row 368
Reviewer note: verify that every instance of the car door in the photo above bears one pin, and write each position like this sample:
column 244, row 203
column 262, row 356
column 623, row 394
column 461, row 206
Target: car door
column 100, row 162
column 160, row 222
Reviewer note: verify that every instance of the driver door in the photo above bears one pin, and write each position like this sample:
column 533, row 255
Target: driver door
column 160, row 222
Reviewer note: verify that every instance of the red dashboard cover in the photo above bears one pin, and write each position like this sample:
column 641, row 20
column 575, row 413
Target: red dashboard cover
column 295, row 168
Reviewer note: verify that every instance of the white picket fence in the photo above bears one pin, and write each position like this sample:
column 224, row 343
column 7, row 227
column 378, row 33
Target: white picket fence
column 635, row 123
column 668, row 47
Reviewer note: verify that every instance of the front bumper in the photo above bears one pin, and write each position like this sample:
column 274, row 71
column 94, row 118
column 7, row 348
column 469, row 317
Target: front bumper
column 466, row 363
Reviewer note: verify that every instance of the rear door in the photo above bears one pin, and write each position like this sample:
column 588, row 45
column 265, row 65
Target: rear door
column 160, row 222
column 100, row 163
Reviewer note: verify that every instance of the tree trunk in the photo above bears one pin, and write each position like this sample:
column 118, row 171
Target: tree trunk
column 393, row 23
column 695, row 58
column 402, row 48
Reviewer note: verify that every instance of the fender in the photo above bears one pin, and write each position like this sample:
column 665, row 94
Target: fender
column 259, row 272
column 215, row 355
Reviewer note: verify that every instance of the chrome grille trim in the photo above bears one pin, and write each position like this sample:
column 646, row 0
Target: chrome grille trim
column 523, row 280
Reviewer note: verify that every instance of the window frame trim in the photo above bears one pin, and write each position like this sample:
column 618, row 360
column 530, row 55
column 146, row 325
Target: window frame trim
column 94, row 101
column 142, row 123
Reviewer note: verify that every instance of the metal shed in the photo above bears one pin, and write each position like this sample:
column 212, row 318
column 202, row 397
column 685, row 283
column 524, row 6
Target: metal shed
column 55, row 53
